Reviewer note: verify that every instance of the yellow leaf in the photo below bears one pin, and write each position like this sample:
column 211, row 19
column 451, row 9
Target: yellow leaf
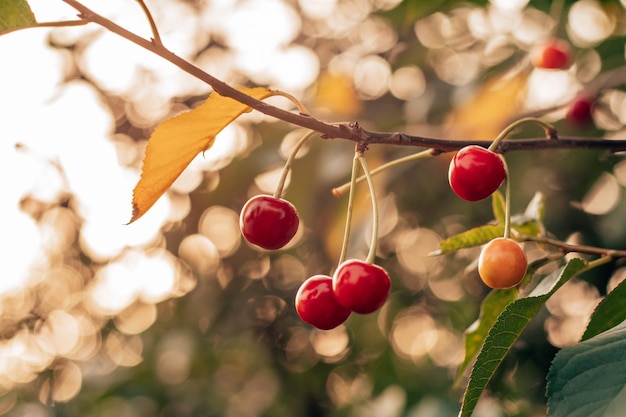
column 496, row 103
column 176, row 142
column 336, row 93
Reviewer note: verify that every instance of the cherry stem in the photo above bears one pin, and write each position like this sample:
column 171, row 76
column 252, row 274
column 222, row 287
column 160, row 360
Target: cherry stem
column 569, row 247
column 278, row 192
column 507, row 200
column 551, row 132
column 54, row 24
column 374, row 241
column 339, row 191
column 346, row 233
column 302, row 109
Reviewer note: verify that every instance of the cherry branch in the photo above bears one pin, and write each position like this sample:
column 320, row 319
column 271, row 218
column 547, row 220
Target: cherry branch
column 350, row 131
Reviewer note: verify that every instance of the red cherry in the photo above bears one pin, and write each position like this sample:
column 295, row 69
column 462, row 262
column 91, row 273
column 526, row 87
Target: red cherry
column 268, row 222
column 360, row 286
column 502, row 263
column 553, row 54
column 316, row 303
column 475, row 173
column 580, row 110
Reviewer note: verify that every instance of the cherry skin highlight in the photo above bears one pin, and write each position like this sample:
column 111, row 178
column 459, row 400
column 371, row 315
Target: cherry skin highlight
column 360, row 286
column 475, row 173
column 502, row 263
column 268, row 222
column 316, row 303
column 554, row 54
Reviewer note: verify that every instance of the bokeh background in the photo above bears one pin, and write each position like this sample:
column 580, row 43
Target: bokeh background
column 175, row 315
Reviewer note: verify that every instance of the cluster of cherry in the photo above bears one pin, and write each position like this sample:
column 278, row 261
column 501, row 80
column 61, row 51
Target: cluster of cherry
column 321, row 301
column 358, row 286
column 475, row 173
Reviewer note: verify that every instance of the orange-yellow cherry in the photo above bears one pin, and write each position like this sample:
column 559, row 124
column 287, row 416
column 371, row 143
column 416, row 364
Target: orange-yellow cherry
column 502, row 263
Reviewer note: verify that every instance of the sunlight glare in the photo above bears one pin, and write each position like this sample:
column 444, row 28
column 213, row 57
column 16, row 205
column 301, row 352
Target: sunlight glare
column 588, row 23
column 221, row 226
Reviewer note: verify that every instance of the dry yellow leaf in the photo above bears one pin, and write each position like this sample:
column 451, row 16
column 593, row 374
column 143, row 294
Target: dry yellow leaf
column 495, row 104
column 176, row 142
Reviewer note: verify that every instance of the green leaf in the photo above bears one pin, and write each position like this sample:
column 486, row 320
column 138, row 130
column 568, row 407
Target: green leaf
column 471, row 238
column 15, row 14
column 507, row 329
column 589, row 379
column 525, row 225
column 490, row 309
column 610, row 312
column 498, row 207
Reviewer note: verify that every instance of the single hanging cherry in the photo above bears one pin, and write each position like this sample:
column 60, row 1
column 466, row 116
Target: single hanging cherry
column 475, row 173
column 268, row 222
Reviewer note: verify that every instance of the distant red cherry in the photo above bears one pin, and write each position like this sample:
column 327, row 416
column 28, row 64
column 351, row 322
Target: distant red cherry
column 580, row 110
column 552, row 54
column 268, row 222
column 360, row 286
column 316, row 303
column 475, row 173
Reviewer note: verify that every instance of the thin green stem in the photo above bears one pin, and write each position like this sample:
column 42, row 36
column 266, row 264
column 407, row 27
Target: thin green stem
column 346, row 233
column 550, row 130
column 599, row 261
column 155, row 31
column 371, row 256
column 339, row 191
column 278, row 192
column 507, row 200
column 56, row 24
column 301, row 107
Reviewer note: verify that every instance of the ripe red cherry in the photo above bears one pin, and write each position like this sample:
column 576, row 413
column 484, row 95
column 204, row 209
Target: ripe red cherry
column 316, row 303
column 553, row 54
column 475, row 173
column 502, row 263
column 580, row 110
column 360, row 286
column 268, row 222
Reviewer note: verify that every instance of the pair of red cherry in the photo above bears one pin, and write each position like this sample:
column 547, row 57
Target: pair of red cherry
column 324, row 302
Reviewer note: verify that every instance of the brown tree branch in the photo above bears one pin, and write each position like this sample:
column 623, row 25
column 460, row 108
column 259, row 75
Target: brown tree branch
column 350, row 131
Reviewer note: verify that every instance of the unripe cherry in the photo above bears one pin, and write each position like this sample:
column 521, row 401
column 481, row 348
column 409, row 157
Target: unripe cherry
column 502, row 263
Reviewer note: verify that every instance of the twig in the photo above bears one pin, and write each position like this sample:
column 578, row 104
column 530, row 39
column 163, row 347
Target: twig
column 570, row 247
column 350, row 131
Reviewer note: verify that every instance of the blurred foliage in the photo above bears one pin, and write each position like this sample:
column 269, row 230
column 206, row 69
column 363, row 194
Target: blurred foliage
column 176, row 316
